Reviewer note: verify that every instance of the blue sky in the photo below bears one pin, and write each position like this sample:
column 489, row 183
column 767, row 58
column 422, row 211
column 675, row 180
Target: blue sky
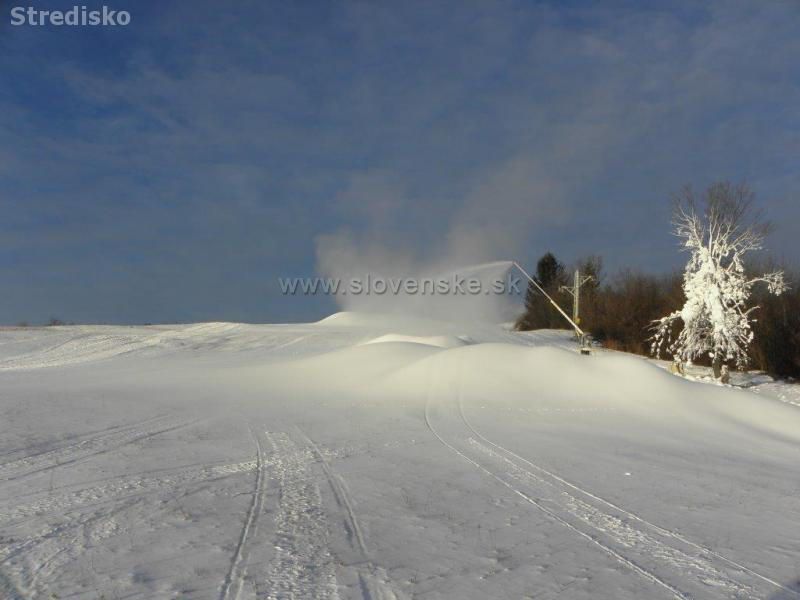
column 172, row 169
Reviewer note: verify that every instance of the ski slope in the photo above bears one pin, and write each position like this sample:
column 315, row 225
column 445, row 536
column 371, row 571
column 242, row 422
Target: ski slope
column 383, row 457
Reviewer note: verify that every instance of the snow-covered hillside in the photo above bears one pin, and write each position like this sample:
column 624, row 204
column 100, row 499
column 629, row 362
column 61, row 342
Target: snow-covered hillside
column 379, row 457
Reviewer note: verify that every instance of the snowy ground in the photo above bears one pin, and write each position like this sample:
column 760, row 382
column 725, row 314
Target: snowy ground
column 379, row 458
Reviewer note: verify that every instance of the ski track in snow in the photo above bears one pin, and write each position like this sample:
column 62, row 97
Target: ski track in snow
column 666, row 544
column 302, row 566
column 232, row 586
column 94, row 445
column 57, row 551
column 117, row 488
column 38, row 558
column 497, row 475
column 94, row 345
column 682, row 568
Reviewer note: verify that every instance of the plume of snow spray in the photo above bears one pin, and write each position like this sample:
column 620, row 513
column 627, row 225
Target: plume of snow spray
column 494, row 218
column 392, row 283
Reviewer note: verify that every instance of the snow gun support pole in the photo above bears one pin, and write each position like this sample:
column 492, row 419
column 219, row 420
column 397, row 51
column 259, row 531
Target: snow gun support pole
column 578, row 331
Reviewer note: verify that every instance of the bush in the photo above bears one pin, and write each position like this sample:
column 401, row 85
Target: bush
column 776, row 327
column 625, row 309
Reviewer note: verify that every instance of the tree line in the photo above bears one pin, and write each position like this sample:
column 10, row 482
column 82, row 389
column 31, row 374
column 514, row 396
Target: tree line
column 626, row 311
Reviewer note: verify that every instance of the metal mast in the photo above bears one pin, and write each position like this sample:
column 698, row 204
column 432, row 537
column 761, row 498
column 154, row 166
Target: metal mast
column 575, row 291
column 578, row 330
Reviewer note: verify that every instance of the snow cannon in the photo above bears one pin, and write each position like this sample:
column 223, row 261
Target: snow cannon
column 584, row 340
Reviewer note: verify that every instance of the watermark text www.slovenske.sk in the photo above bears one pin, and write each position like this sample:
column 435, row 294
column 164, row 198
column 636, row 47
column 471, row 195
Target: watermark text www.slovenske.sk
column 372, row 285
column 77, row 16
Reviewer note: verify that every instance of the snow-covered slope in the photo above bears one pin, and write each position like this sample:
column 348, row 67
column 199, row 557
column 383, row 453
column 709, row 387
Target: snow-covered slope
column 369, row 456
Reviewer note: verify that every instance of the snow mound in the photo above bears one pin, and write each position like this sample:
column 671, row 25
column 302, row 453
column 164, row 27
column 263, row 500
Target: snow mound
column 438, row 341
column 344, row 318
column 400, row 368
column 377, row 321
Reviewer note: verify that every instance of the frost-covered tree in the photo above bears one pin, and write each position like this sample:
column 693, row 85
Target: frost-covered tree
column 718, row 232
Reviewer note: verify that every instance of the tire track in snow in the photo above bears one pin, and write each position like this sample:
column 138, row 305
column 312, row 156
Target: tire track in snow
column 632, row 530
column 373, row 580
column 89, row 447
column 302, row 566
column 232, row 586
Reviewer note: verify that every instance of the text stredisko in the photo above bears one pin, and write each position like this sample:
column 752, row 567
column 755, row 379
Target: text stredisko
column 77, row 16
